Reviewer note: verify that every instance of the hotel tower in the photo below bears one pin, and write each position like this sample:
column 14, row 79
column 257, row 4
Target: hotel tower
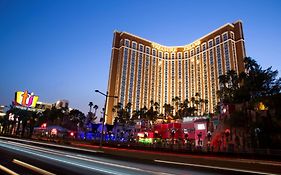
column 142, row 70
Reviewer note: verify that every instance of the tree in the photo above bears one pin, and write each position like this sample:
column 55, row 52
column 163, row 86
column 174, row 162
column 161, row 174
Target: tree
column 249, row 88
column 77, row 119
column 96, row 108
column 123, row 114
column 90, row 104
column 156, row 106
column 152, row 114
column 168, row 110
column 176, row 101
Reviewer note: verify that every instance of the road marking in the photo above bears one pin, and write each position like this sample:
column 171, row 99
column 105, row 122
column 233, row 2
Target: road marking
column 31, row 167
column 259, row 162
column 213, row 167
column 8, row 170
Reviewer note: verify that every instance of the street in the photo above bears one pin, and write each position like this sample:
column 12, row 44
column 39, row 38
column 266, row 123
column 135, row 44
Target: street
column 23, row 158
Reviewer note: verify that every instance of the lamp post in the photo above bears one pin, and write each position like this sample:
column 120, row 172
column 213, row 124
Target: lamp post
column 103, row 120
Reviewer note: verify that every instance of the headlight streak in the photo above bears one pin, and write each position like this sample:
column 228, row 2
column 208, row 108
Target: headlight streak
column 213, row 167
column 76, row 156
column 67, row 162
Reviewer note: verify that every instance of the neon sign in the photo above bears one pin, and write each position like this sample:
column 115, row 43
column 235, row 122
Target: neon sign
column 26, row 99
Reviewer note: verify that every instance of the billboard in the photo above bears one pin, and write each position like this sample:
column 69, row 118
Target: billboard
column 26, row 99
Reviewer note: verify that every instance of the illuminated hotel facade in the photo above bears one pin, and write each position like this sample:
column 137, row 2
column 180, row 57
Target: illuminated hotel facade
column 142, row 71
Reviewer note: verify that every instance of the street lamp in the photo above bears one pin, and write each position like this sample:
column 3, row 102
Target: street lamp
column 106, row 96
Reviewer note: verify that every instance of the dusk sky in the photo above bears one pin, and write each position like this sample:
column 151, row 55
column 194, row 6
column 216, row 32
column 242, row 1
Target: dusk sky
column 61, row 49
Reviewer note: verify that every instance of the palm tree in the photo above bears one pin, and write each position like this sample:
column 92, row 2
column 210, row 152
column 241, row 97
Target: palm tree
column 206, row 104
column 192, row 101
column 95, row 108
column 77, row 119
column 90, row 104
column 168, row 110
column 119, row 112
column 156, row 106
column 176, row 102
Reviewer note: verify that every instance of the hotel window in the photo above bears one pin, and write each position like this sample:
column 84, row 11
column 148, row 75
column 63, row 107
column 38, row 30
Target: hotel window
column 166, row 55
column 226, row 57
column 160, row 82
column 153, row 75
column 204, row 47
column 210, row 43
column 205, row 79
column 127, row 43
column 225, row 36
column 147, row 59
column 192, row 78
column 153, row 52
column 173, row 78
column 185, row 55
column 197, row 50
column 166, row 80
column 160, row 54
column 134, row 45
column 191, row 53
column 186, row 69
column 213, row 88
column 139, row 72
column 141, row 47
column 198, row 63
column 124, row 75
column 173, row 56
column 132, row 73
column 217, row 40
column 179, row 64
column 219, row 61
column 147, row 50
column 179, row 73
column 234, row 57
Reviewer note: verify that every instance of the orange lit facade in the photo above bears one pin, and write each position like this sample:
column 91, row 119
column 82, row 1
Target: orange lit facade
column 142, row 71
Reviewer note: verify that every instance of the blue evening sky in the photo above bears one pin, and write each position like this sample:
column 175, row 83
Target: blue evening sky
column 61, row 49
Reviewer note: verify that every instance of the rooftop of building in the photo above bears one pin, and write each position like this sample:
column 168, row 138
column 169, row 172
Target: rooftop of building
column 185, row 47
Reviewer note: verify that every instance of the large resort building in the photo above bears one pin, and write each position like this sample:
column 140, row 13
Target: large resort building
column 142, row 71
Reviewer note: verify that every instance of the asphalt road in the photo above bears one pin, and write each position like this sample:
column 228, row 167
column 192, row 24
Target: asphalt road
column 23, row 158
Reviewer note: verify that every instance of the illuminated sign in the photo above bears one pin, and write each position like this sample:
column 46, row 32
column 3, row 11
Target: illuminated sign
column 26, row 99
column 200, row 126
column 145, row 140
column 262, row 107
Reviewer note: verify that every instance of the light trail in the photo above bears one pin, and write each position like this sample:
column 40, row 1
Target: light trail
column 75, row 156
column 6, row 170
column 63, row 161
column 213, row 167
column 31, row 167
column 115, row 164
column 48, row 144
column 118, row 165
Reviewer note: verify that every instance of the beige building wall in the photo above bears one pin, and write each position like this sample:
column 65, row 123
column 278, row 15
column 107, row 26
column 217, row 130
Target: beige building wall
column 142, row 71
